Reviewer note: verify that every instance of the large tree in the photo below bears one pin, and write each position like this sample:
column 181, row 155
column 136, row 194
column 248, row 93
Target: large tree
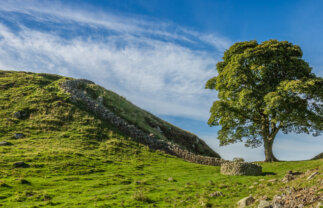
column 263, row 89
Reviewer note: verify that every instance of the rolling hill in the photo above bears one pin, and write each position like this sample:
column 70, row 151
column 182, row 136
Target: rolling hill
column 71, row 143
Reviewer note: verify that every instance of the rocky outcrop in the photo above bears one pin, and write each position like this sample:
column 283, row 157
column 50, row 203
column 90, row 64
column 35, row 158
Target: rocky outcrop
column 240, row 168
column 79, row 96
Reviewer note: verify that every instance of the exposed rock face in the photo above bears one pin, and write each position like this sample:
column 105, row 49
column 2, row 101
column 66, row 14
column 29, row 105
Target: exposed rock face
column 240, row 168
column 79, row 96
column 246, row 201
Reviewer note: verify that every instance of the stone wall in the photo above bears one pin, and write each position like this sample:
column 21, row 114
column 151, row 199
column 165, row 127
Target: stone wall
column 74, row 88
column 240, row 168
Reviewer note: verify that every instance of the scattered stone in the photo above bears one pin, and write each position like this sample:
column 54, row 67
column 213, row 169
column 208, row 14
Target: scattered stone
column 246, row 201
column 264, row 204
column 19, row 135
column 21, row 164
column 251, row 187
column 297, row 198
column 290, row 176
column 240, row 168
column 170, row 179
column 272, row 180
column 319, row 205
column 312, row 175
column 216, row 194
column 4, row 143
column 261, row 179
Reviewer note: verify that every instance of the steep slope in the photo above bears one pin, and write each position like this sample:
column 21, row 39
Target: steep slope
column 44, row 107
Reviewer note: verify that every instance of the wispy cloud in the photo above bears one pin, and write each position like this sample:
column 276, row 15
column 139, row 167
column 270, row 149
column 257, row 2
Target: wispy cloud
column 159, row 66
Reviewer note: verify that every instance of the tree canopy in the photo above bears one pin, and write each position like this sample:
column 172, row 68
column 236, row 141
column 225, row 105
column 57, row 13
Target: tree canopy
column 262, row 89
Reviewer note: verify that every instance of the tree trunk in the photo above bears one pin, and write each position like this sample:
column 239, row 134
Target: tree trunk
column 268, row 145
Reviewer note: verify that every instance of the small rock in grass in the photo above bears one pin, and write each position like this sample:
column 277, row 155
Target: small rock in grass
column 272, row 180
column 4, row 143
column 215, row 194
column 19, row 135
column 21, row 164
column 319, row 205
column 312, row 175
column 264, row 204
column 170, row 179
column 246, row 201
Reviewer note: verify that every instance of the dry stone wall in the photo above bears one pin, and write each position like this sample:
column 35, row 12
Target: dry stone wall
column 74, row 88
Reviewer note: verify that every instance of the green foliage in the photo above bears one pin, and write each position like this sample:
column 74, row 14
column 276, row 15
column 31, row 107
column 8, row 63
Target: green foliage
column 238, row 159
column 317, row 157
column 264, row 88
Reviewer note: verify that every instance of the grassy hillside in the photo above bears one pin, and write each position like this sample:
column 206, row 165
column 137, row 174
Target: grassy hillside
column 78, row 160
column 48, row 110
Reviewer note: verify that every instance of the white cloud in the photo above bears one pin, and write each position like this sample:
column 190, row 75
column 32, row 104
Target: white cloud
column 151, row 63
column 144, row 61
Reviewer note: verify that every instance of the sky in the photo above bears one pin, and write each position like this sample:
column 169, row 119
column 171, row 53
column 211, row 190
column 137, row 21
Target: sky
column 159, row 54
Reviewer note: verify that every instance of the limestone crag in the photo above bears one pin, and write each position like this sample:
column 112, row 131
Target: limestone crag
column 74, row 88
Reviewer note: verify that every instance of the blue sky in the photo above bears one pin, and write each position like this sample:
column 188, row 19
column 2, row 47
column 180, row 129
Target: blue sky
column 159, row 54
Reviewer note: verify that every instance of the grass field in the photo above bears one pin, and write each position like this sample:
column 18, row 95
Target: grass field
column 78, row 160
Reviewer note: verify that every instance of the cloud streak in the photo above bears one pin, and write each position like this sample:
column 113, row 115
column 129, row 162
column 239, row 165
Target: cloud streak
column 157, row 65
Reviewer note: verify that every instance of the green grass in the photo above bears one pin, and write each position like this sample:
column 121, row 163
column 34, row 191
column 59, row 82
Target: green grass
column 78, row 160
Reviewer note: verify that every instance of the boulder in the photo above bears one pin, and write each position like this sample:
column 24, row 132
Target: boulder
column 246, row 201
column 21, row 164
column 264, row 204
column 240, row 168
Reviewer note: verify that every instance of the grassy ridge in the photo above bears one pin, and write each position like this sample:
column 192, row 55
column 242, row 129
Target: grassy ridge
column 78, row 160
